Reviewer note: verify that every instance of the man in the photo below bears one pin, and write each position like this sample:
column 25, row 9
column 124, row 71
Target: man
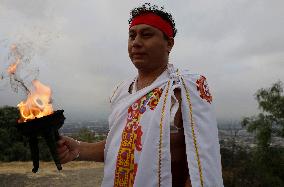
column 162, row 131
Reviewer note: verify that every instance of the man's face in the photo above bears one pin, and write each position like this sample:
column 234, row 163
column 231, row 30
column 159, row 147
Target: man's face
column 147, row 47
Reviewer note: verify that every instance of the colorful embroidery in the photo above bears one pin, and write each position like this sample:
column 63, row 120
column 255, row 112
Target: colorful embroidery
column 203, row 89
column 131, row 138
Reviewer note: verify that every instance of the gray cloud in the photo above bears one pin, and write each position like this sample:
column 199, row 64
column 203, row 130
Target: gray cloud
column 81, row 49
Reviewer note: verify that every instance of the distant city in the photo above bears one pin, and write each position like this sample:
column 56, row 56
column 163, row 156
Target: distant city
column 97, row 127
column 229, row 132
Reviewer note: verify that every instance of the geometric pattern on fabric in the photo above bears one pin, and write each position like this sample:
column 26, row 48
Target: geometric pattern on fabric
column 126, row 167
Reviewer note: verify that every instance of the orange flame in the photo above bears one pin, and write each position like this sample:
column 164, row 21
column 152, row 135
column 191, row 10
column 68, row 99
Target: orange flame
column 38, row 103
column 13, row 67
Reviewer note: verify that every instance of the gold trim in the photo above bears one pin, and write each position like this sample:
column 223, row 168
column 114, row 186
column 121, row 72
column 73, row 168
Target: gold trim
column 193, row 132
column 161, row 133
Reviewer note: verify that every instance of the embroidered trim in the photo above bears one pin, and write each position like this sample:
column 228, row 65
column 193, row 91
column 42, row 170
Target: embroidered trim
column 126, row 168
column 203, row 89
column 161, row 133
column 193, row 133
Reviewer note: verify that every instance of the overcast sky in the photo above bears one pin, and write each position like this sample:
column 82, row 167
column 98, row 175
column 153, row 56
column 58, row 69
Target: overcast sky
column 80, row 49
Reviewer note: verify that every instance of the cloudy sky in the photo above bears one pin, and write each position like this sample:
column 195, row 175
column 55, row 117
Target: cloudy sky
column 80, row 49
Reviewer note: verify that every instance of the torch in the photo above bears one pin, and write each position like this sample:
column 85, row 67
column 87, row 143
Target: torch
column 39, row 119
column 47, row 127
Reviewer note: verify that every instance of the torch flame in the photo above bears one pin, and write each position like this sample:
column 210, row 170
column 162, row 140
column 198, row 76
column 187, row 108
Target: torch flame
column 38, row 103
column 13, row 67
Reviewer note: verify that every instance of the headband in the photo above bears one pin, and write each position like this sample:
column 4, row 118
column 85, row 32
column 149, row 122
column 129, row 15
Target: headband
column 155, row 21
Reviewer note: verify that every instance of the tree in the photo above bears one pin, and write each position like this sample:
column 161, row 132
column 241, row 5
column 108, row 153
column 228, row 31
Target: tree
column 11, row 142
column 268, row 161
column 271, row 120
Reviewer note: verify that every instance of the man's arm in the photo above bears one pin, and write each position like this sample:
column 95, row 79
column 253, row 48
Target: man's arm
column 69, row 149
column 178, row 150
column 92, row 151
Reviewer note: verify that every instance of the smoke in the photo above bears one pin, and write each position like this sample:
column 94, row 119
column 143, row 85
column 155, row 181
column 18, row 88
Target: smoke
column 20, row 57
column 17, row 66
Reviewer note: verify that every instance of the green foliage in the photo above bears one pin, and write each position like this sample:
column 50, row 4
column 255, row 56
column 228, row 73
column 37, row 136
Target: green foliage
column 11, row 143
column 245, row 167
column 266, row 162
column 271, row 120
column 271, row 100
column 17, row 152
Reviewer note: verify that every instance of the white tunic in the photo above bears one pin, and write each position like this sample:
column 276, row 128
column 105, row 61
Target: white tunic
column 137, row 151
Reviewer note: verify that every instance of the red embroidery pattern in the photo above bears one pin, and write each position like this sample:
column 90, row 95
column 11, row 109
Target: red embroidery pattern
column 203, row 89
column 131, row 138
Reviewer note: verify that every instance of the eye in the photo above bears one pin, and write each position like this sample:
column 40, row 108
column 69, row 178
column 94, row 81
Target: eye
column 147, row 34
column 131, row 36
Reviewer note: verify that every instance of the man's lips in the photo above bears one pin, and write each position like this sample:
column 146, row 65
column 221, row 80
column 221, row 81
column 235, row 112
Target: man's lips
column 137, row 54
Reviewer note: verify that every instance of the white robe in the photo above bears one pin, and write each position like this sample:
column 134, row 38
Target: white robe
column 147, row 160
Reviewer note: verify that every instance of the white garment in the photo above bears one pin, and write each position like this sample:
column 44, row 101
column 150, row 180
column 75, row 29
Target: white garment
column 151, row 165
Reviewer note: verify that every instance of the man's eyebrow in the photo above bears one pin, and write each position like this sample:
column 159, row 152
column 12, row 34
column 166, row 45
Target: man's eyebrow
column 141, row 30
column 146, row 29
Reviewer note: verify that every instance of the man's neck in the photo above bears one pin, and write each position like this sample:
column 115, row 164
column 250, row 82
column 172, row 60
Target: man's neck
column 146, row 78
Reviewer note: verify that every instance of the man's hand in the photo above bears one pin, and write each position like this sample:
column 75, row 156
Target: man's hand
column 67, row 149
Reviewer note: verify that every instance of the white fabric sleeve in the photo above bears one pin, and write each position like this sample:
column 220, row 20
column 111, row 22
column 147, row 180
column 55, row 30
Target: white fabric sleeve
column 201, row 133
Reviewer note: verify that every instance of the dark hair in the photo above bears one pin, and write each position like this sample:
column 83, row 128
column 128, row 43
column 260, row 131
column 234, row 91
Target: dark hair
column 146, row 8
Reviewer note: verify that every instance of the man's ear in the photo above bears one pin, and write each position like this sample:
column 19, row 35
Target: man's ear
column 170, row 44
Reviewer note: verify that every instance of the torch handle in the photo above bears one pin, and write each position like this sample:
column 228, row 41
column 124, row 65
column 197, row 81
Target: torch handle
column 33, row 141
column 56, row 135
column 51, row 140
